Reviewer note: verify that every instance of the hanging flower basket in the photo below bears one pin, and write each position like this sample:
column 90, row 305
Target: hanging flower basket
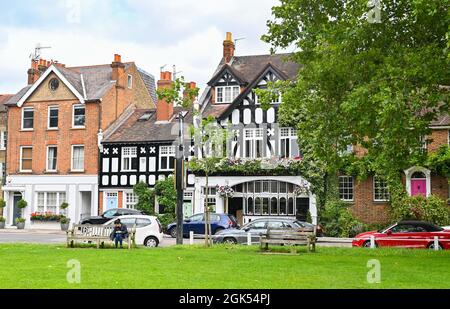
column 225, row 191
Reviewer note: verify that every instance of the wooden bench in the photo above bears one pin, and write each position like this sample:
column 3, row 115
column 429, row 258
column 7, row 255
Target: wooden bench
column 98, row 234
column 288, row 237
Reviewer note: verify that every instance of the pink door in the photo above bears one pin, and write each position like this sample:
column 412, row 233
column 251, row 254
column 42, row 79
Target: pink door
column 418, row 187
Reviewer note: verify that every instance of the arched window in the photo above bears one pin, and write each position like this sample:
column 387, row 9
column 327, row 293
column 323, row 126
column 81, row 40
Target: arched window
column 258, row 206
column 265, row 207
column 283, row 206
column 291, row 206
column 274, row 206
column 250, row 206
column 417, row 175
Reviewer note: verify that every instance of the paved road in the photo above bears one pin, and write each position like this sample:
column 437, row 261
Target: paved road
column 58, row 237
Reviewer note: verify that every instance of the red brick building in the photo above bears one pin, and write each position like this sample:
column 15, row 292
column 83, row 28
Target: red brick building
column 369, row 198
column 55, row 127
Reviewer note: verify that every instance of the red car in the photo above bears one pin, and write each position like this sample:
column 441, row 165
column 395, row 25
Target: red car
column 406, row 234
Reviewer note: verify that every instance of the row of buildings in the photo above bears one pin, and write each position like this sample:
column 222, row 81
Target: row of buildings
column 87, row 135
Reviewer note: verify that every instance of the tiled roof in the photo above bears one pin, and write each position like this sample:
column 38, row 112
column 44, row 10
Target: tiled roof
column 248, row 69
column 442, row 121
column 135, row 130
column 97, row 81
column 150, row 83
column 3, row 99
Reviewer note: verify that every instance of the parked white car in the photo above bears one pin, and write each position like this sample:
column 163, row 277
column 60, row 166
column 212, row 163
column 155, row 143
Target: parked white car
column 148, row 229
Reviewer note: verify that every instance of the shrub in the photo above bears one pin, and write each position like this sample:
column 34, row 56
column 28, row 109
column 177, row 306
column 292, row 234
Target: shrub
column 432, row 209
column 2, row 205
column 165, row 219
column 338, row 221
column 20, row 220
column 22, row 204
column 146, row 198
column 2, row 219
column 64, row 220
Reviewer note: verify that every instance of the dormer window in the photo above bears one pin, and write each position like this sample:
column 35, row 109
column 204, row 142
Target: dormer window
column 227, row 94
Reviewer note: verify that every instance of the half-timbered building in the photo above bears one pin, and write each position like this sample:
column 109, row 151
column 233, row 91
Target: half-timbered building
column 140, row 147
column 230, row 98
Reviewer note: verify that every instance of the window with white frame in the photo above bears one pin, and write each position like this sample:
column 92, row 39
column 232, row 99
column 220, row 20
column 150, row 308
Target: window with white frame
column 78, row 158
column 2, row 140
column 288, row 143
column 53, row 117
column 130, row 81
column 167, row 158
column 79, row 116
column 52, row 158
column 50, row 202
column 346, row 188
column 227, row 94
column 253, row 142
column 27, row 118
column 131, row 200
column 129, row 159
column 26, row 159
column 380, row 189
column 2, row 170
column 211, row 200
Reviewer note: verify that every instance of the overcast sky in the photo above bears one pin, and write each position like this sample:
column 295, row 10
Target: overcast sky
column 187, row 33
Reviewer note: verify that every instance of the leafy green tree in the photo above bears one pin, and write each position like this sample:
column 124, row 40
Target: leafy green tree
column 146, row 197
column 374, row 84
column 166, row 195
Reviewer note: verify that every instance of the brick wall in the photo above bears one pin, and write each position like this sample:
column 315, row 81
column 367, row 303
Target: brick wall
column 63, row 138
column 364, row 207
column 438, row 138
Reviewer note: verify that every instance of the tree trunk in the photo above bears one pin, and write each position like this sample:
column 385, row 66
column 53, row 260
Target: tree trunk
column 206, row 212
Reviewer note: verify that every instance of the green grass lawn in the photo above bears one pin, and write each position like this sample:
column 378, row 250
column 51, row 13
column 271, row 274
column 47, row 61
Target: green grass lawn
column 45, row 266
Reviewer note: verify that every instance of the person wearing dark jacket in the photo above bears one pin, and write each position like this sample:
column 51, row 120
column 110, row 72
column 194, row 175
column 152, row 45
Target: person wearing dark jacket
column 120, row 232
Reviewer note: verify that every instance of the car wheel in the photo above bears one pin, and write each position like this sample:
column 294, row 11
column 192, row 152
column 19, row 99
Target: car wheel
column 151, row 242
column 173, row 232
column 230, row 240
column 218, row 230
column 366, row 244
column 431, row 246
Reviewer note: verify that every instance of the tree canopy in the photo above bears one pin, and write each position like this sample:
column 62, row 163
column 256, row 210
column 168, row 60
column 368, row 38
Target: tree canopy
column 373, row 83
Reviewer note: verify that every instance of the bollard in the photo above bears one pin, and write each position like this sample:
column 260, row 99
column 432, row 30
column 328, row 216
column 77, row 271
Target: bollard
column 436, row 243
column 191, row 238
column 249, row 239
column 372, row 242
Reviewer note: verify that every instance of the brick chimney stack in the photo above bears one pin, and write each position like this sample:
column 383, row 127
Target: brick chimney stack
column 164, row 110
column 228, row 48
column 118, row 71
column 190, row 85
column 38, row 67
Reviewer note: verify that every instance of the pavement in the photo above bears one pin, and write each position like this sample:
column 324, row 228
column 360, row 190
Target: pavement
column 59, row 237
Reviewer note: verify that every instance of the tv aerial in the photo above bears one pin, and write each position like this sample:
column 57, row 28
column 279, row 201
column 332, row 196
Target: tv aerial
column 37, row 51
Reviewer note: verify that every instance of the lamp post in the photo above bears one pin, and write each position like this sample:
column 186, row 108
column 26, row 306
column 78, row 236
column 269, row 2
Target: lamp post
column 179, row 178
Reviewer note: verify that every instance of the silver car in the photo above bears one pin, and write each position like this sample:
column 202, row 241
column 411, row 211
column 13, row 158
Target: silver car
column 258, row 227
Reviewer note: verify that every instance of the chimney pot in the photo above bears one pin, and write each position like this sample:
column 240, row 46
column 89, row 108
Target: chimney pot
column 117, row 58
column 228, row 47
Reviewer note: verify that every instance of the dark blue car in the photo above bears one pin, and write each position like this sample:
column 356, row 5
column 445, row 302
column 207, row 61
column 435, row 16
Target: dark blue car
column 196, row 223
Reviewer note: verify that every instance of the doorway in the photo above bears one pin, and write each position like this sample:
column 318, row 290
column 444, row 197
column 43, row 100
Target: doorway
column 86, row 201
column 235, row 208
column 418, row 184
column 112, row 200
column 16, row 210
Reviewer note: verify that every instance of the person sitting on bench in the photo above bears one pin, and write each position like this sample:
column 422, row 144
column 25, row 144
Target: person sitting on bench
column 119, row 233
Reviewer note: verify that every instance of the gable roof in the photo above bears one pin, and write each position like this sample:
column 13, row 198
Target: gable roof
column 137, row 131
column 250, row 69
column 88, row 83
column 68, row 78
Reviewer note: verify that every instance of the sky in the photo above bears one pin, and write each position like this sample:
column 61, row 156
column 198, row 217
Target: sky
column 152, row 33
